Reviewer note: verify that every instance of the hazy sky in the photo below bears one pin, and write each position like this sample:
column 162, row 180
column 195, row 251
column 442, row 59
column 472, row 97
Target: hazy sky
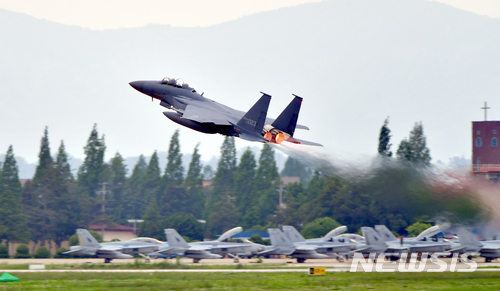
column 112, row 14
column 115, row 14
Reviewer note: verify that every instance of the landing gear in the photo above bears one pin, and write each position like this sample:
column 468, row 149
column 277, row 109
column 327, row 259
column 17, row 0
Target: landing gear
column 107, row 260
column 196, row 261
column 488, row 260
column 147, row 258
column 301, row 260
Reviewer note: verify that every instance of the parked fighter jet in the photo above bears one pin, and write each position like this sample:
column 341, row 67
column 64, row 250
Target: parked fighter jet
column 282, row 245
column 328, row 237
column 112, row 250
column 415, row 245
column 197, row 112
column 488, row 249
column 177, row 246
column 329, row 245
column 232, row 249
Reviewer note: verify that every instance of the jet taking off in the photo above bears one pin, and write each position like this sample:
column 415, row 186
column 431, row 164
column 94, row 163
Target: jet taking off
column 193, row 110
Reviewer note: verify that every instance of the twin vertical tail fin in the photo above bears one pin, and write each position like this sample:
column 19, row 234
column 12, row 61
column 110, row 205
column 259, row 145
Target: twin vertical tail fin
column 293, row 234
column 287, row 120
column 86, row 239
column 175, row 239
column 372, row 238
column 385, row 233
column 279, row 239
column 252, row 123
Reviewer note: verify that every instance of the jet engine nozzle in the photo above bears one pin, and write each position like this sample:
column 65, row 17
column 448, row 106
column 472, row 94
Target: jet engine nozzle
column 273, row 135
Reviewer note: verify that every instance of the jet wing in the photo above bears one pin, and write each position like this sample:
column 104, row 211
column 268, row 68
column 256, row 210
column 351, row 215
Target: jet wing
column 82, row 250
column 394, row 249
column 200, row 253
column 301, row 141
column 202, row 115
column 430, row 248
column 112, row 254
column 277, row 251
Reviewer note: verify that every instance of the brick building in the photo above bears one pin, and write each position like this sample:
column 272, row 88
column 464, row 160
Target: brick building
column 485, row 149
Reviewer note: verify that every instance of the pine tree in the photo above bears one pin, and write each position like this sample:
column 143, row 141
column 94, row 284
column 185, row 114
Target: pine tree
column 244, row 181
column 405, row 151
column 40, row 193
column 221, row 196
column 174, row 171
column 93, row 165
column 224, row 179
column 115, row 200
column 194, row 184
column 68, row 211
column 45, row 160
column 185, row 224
column 62, row 165
column 265, row 190
column 152, row 179
column 414, row 149
column 152, row 225
column 194, row 175
column 384, row 145
column 135, row 204
column 172, row 197
column 10, row 175
column 13, row 226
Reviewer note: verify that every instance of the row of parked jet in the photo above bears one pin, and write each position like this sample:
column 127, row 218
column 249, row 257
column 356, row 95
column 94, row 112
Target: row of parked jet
column 289, row 242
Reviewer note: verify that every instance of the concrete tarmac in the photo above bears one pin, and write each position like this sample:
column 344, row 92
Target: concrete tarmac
column 273, row 265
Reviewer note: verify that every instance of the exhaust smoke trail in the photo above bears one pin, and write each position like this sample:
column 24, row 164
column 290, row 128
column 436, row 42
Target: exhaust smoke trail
column 412, row 192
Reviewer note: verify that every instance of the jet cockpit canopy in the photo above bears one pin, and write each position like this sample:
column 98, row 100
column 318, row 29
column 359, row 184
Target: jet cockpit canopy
column 147, row 240
column 179, row 83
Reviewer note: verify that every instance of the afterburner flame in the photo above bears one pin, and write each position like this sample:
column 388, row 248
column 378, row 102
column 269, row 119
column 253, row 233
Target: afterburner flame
column 280, row 138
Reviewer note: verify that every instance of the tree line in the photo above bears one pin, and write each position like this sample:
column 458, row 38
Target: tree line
column 242, row 193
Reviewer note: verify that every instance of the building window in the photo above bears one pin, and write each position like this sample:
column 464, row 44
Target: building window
column 494, row 142
column 478, row 132
column 494, row 131
column 479, row 142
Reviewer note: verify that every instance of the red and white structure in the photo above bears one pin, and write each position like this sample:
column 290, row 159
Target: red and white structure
column 485, row 148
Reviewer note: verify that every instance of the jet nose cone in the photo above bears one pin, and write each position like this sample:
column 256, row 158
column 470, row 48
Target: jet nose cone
column 137, row 85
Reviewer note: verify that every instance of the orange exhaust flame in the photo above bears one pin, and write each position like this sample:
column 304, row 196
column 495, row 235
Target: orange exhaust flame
column 280, row 138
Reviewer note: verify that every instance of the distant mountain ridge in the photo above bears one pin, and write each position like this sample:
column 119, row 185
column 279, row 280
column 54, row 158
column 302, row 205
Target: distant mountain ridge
column 354, row 62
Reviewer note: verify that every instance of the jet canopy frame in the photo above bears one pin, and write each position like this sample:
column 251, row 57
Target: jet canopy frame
column 179, row 83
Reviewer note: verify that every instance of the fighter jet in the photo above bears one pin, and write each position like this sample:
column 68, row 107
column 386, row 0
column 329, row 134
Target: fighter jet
column 488, row 249
column 112, row 250
column 177, row 246
column 424, row 243
column 282, row 245
column 329, row 245
column 232, row 249
column 328, row 237
column 193, row 110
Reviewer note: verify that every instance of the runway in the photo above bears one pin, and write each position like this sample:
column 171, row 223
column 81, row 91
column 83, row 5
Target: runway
column 244, row 266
